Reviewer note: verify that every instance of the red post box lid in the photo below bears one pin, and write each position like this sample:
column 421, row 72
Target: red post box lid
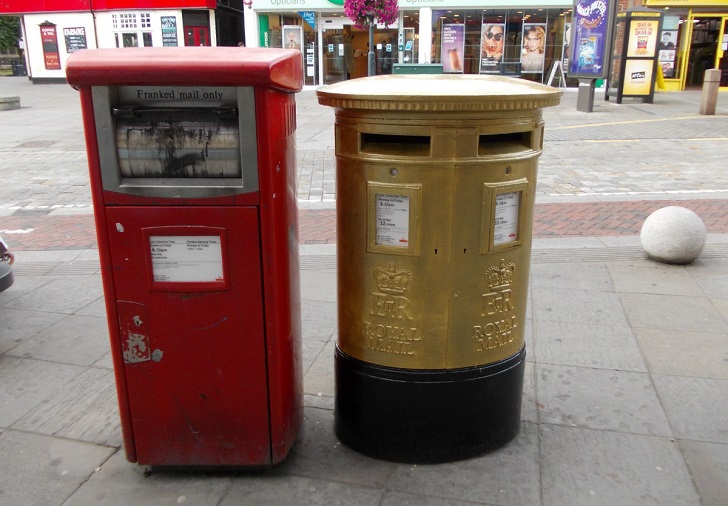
column 280, row 69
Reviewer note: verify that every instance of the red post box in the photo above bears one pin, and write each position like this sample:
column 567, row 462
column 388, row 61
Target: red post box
column 191, row 157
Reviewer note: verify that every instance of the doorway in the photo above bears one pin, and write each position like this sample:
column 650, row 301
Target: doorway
column 723, row 54
column 345, row 50
column 708, row 48
column 197, row 36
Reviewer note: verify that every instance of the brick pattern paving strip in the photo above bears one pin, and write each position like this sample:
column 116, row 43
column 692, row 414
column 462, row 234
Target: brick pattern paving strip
column 39, row 231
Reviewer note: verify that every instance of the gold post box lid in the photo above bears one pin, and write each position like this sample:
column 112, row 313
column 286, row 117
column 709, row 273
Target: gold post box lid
column 439, row 93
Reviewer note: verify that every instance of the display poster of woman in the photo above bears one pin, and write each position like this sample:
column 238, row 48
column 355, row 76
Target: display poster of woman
column 492, row 39
column 534, row 43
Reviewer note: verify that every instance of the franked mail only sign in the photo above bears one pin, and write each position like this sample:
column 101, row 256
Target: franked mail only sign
column 186, row 259
column 187, row 96
column 393, row 220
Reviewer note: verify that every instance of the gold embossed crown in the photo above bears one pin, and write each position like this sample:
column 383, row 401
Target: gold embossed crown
column 392, row 280
column 501, row 275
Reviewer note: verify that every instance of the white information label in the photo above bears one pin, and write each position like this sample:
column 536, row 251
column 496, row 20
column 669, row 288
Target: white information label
column 506, row 218
column 393, row 219
column 186, row 259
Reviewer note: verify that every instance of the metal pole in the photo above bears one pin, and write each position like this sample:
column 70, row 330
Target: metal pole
column 371, row 68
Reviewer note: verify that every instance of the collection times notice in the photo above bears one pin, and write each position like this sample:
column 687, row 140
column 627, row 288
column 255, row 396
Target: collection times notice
column 393, row 220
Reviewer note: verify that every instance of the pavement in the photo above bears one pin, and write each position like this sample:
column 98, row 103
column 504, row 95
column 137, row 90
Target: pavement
column 626, row 388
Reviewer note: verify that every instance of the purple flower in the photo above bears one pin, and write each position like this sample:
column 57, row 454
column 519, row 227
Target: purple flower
column 363, row 12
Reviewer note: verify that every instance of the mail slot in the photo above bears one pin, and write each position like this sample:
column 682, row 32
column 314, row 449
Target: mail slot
column 436, row 178
column 191, row 162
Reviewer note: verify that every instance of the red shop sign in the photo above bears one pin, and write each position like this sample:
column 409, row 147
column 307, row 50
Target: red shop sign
column 50, row 46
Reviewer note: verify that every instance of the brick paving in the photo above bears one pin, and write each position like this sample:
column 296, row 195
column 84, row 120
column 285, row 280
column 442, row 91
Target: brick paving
column 600, row 219
column 39, row 231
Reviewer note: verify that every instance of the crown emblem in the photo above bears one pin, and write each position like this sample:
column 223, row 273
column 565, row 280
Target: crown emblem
column 501, row 275
column 392, row 280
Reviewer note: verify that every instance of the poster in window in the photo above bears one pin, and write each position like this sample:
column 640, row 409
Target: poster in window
column 667, row 62
column 534, row 44
column 49, row 39
column 169, row 31
column 292, row 36
column 492, row 40
column 75, row 39
column 453, row 48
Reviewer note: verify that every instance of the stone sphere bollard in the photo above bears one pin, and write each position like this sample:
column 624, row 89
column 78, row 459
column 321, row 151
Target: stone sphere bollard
column 673, row 235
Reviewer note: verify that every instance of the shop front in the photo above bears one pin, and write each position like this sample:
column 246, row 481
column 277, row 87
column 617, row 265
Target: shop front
column 694, row 39
column 529, row 41
column 53, row 32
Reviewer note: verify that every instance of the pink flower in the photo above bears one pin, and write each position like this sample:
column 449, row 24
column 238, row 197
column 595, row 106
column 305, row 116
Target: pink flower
column 362, row 11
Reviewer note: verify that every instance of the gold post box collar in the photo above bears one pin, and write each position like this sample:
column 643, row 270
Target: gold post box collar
column 440, row 93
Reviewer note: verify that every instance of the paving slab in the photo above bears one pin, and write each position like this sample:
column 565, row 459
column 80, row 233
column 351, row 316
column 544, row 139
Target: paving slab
column 85, row 409
column 708, row 464
column 696, row 407
column 654, row 278
column 318, row 454
column 508, row 476
column 295, row 490
column 600, row 399
column 672, row 312
column 574, row 305
column 25, row 383
column 80, row 340
column 579, row 276
column 19, row 325
column 60, row 296
column 691, row 354
column 588, row 467
column 588, row 345
column 42, row 470
column 118, row 482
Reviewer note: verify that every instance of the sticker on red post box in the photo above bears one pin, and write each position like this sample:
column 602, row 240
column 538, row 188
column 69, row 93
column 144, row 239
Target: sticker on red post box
column 186, row 259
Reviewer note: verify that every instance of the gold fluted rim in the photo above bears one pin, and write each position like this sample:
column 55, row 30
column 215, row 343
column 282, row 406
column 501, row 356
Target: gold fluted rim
column 438, row 93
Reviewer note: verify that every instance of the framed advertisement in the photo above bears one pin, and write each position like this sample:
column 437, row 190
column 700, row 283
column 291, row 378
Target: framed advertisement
column 637, row 77
column 492, row 41
column 49, row 37
column 292, row 36
column 642, row 42
column 637, row 54
column 453, row 48
column 591, row 31
column 75, row 39
column 532, row 51
column 169, row 31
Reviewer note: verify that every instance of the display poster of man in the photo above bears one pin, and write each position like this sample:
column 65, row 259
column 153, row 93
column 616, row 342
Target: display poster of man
column 492, row 40
column 667, row 62
column 453, row 48
column 292, row 35
column 534, row 44
column 668, row 39
column 668, row 45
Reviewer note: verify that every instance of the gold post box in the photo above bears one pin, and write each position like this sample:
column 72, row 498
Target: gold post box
column 436, row 176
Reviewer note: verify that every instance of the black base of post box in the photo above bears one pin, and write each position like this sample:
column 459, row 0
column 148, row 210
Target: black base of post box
column 431, row 416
